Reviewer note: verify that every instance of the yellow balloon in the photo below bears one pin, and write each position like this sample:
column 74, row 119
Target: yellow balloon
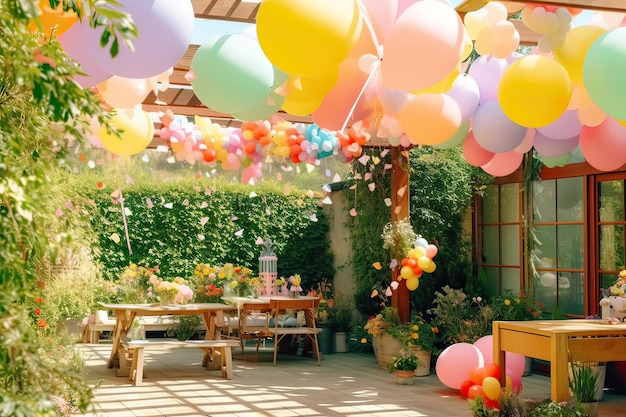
column 430, row 268
column 424, row 262
column 412, row 283
column 419, row 252
column 571, row 53
column 136, row 132
column 307, row 37
column 622, row 122
column 492, row 387
column 534, row 91
column 407, row 272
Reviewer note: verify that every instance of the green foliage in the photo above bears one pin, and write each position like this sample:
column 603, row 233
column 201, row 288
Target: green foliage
column 442, row 185
column 184, row 327
column 404, row 361
column 510, row 306
column 341, row 314
column 582, row 382
column 208, row 222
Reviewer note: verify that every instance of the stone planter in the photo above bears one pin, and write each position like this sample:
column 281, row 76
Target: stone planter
column 591, row 409
column 385, row 348
column 325, row 339
column 599, row 369
column 404, row 377
column 423, row 357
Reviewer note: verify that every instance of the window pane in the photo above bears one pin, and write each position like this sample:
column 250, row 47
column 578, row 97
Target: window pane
column 569, row 194
column 490, row 204
column 509, row 200
column 511, row 279
column 491, row 245
column 510, row 245
column 493, row 281
column 544, row 209
column 611, row 201
column 544, row 252
column 571, row 293
column 570, row 247
column 611, row 247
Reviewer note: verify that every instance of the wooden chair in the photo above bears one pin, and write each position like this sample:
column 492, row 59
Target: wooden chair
column 308, row 329
column 254, row 320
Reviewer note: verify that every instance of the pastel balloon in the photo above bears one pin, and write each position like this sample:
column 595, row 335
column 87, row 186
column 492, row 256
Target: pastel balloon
column 231, row 74
column 475, row 154
column 466, row 93
column 456, row 362
column 565, row 127
column 494, row 131
column 124, row 93
column 603, row 73
column 412, row 283
column 305, row 37
column 428, row 38
column 503, row 164
column 515, row 363
column 73, row 42
column 431, row 251
column 430, row 119
column 572, row 51
column 553, row 148
column 136, row 132
column 487, row 72
column 527, row 143
column 534, row 91
column 456, row 139
column 603, row 146
column 165, row 28
column 382, row 14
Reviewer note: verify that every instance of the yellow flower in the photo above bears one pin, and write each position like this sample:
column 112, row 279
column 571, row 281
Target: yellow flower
column 415, row 327
column 415, row 336
column 233, row 284
column 507, row 302
column 364, row 340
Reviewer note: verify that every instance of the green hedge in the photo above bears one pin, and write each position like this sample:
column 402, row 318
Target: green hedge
column 230, row 217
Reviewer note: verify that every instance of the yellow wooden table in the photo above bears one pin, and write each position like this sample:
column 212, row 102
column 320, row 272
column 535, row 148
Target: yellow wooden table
column 559, row 341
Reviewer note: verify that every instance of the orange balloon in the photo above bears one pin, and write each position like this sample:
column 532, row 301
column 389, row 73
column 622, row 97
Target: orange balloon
column 430, row 119
column 53, row 19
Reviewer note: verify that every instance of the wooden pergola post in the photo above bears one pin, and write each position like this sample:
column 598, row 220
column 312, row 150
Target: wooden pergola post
column 400, row 210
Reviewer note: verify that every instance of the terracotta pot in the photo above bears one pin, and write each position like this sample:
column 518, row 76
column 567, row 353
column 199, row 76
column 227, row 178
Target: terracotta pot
column 385, row 348
column 404, row 377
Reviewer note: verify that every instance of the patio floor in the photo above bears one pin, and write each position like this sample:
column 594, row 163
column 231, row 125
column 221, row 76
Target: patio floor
column 347, row 384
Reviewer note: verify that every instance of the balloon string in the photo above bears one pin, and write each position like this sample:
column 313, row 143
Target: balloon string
column 370, row 27
column 130, row 251
column 369, row 78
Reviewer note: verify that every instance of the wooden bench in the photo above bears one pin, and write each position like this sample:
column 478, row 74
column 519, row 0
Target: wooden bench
column 148, row 323
column 137, row 347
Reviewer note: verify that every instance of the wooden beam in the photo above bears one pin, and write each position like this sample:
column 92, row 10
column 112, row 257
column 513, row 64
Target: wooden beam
column 600, row 5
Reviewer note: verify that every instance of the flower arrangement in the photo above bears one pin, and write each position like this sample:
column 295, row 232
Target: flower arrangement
column 618, row 289
column 240, row 279
column 404, row 361
column 294, row 283
column 133, row 284
column 417, row 333
column 382, row 322
column 515, row 307
column 208, row 283
column 324, row 292
column 168, row 292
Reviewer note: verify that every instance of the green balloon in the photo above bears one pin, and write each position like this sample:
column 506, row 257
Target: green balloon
column 231, row 74
column 603, row 72
column 456, row 139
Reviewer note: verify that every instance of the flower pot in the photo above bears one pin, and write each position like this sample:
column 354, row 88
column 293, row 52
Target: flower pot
column 405, row 377
column 590, row 409
column 599, row 369
column 423, row 357
column 385, row 348
column 341, row 342
column 324, row 338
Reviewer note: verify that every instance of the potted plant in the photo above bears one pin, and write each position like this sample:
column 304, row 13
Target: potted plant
column 341, row 320
column 582, row 383
column 404, row 365
column 419, row 337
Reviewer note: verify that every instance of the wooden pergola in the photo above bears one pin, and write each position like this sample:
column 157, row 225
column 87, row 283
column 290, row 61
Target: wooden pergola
column 181, row 99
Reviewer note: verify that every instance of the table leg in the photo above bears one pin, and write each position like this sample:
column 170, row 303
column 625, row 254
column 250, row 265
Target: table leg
column 120, row 323
column 209, row 360
column 499, row 356
column 559, row 376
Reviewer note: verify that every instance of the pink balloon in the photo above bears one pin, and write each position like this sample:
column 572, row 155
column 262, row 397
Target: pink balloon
column 455, row 363
column 466, row 94
column 423, row 47
column 431, row 251
column 494, row 131
column 527, row 143
column 553, row 148
column 603, row 146
column 74, row 42
column 382, row 14
column 487, row 71
column 515, row 363
column 475, row 154
column 503, row 164
column 565, row 127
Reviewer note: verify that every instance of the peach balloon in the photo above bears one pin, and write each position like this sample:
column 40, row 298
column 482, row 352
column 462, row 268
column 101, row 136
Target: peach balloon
column 475, row 154
column 503, row 164
column 603, row 146
column 429, row 119
column 424, row 46
column 123, row 93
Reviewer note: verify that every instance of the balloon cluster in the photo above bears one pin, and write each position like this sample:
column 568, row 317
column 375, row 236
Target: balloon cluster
column 419, row 260
column 470, row 369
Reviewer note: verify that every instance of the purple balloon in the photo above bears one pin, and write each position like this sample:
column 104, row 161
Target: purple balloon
column 487, row 71
column 466, row 93
column 76, row 42
column 165, row 28
column 553, row 148
column 494, row 131
column 565, row 127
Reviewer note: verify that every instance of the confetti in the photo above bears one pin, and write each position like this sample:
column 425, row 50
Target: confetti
column 388, row 166
column 401, row 191
column 388, row 202
column 239, row 233
column 353, row 212
column 207, row 191
column 259, row 241
column 234, row 219
column 253, row 194
column 127, row 211
column 326, row 188
column 168, row 205
column 327, row 200
column 371, row 186
column 129, row 180
column 368, row 176
column 358, row 176
column 59, row 212
column 377, row 266
column 393, row 263
column 313, row 217
column 388, row 292
column 91, row 164
column 200, row 238
column 374, row 293
column 376, row 160
column 204, row 220
column 115, row 238
column 364, row 159
column 394, row 285
column 204, row 204
column 149, row 203
column 384, row 153
column 186, row 203
column 68, row 204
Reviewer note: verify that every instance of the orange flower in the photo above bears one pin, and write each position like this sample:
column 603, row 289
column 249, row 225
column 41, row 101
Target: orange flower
column 42, row 323
column 41, row 284
column 39, row 300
